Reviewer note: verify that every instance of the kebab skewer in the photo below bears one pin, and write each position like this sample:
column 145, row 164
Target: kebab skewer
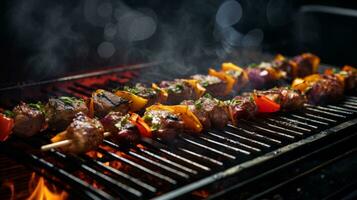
column 100, row 95
column 208, row 111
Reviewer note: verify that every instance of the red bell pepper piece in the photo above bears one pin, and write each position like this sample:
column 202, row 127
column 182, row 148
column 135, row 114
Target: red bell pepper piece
column 143, row 127
column 265, row 105
column 6, row 125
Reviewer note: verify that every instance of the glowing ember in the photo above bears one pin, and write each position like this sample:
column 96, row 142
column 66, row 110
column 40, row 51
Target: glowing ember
column 140, row 146
column 201, row 193
column 42, row 190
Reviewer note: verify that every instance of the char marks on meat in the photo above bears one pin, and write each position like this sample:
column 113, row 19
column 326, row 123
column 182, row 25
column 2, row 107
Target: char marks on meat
column 141, row 90
column 242, row 107
column 211, row 112
column 163, row 123
column 29, row 119
column 178, row 91
column 122, row 130
column 104, row 102
column 86, row 134
column 60, row 111
column 288, row 99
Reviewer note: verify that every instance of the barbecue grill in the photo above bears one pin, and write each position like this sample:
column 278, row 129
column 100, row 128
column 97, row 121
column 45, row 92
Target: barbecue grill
column 307, row 154
column 255, row 159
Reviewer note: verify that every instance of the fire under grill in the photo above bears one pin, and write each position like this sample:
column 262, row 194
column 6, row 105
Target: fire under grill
column 210, row 165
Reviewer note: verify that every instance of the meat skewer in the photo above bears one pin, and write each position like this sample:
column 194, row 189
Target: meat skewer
column 167, row 121
column 104, row 99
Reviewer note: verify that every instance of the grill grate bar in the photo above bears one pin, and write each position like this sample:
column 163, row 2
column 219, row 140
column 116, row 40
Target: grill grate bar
column 269, row 130
column 325, row 112
column 112, row 181
column 288, row 124
column 298, row 122
column 126, row 176
column 149, row 171
column 252, row 133
column 284, row 129
column 350, row 97
column 225, row 145
column 351, row 102
column 100, row 176
column 340, row 108
column 310, row 120
column 350, row 107
column 209, row 148
column 319, row 117
column 189, row 161
column 174, row 171
column 233, row 141
column 168, row 161
column 247, row 139
column 334, row 110
column 90, row 190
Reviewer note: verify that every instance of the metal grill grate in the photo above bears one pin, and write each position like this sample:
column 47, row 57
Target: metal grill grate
column 157, row 169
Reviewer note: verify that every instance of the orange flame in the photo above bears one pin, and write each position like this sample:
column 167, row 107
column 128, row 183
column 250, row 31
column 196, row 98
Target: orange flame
column 40, row 190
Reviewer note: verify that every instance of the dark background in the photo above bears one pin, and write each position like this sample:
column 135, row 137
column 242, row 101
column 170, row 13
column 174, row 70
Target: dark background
column 46, row 39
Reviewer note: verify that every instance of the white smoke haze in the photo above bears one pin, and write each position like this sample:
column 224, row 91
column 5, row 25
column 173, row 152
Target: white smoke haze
column 107, row 32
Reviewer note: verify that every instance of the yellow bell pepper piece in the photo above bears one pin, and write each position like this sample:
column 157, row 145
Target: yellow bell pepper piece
column 137, row 102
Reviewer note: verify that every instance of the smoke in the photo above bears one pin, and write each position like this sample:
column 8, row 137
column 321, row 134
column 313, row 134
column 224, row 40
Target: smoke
column 76, row 35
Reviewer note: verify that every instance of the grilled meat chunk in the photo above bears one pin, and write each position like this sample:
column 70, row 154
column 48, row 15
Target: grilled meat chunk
column 320, row 89
column 264, row 75
column 150, row 94
column 306, row 64
column 348, row 76
column 60, row 111
column 123, row 130
column 86, row 134
column 288, row 99
column 29, row 119
column 163, row 123
column 212, row 84
column 242, row 107
column 211, row 112
column 178, row 90
column 104, row 102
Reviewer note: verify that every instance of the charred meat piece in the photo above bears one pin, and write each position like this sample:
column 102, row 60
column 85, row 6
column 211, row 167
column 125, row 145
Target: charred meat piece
column 306, row 64
column 320, row 89
column 178, row 90
column 211, row 112
column 122, row 130
column 163, row 123
column 141, row 90
column 29, row 119
column 86, row 134
column 288, row 99
column 264, row 75
column 103, row 102
column 328, row 89
column 61, row 111
column 242, row 107
column 212, row 84
column 347, row 74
